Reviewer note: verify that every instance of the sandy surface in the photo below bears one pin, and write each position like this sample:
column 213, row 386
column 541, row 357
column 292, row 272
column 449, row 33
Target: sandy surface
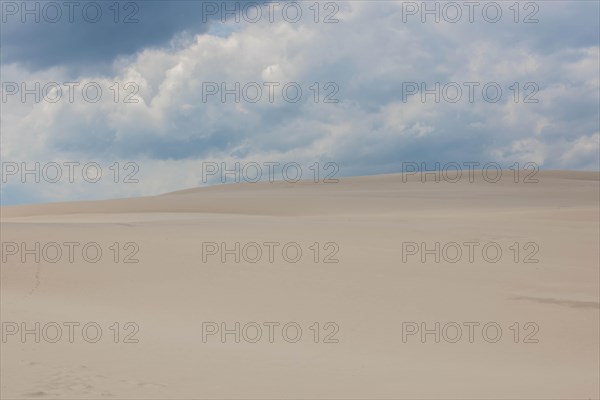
column 365, row 304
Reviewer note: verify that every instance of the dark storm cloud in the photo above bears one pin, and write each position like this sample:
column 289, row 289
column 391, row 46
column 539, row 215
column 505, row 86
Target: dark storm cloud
column 75, row 40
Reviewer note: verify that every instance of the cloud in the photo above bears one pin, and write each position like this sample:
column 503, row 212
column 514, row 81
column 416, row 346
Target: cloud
column 89, row 35
column 369, row 56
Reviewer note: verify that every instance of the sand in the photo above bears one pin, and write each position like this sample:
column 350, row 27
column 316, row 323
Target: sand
column 368, row 305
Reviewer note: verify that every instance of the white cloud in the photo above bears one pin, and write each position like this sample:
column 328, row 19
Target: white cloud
column 170, row 131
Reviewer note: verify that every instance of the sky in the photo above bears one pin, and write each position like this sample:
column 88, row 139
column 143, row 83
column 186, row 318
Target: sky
column 345, row 83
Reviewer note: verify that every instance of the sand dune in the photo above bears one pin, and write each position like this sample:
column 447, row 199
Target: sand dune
column 385, row 262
